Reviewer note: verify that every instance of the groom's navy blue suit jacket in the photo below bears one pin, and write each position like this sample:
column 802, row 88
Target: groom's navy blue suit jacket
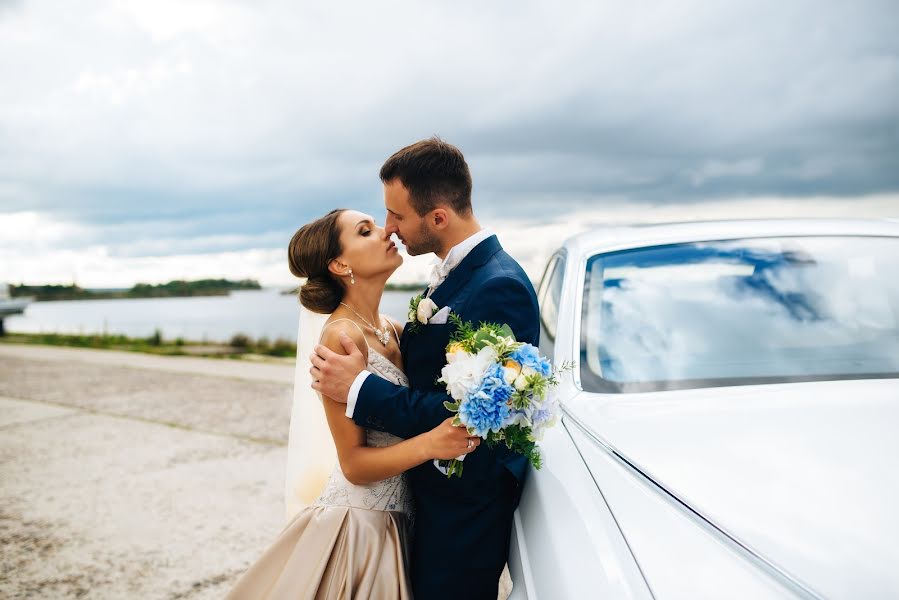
column 462, row 525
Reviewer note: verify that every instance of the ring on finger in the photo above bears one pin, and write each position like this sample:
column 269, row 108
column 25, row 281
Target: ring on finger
column 470, row 443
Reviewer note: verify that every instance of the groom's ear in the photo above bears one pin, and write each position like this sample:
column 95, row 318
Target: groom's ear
column 439, row 218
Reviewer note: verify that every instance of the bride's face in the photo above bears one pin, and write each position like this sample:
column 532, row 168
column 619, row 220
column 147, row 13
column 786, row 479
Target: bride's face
column 367, row 249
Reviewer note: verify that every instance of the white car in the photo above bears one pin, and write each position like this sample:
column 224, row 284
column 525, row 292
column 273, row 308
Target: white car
column 730, row 428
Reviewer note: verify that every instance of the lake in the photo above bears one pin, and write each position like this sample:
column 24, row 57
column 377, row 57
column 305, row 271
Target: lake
column 256, row 313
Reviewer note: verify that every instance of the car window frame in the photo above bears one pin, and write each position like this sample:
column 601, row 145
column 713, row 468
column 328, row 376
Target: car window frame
column 555, row 265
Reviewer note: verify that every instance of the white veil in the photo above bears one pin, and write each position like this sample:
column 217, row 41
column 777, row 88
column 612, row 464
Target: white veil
column 311, row 455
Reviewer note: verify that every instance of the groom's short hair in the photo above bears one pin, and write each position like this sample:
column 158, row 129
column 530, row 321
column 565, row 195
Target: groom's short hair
column 435, row 173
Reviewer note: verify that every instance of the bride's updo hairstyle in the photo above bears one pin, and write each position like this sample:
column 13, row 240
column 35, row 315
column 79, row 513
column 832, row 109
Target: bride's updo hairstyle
column 311, row 249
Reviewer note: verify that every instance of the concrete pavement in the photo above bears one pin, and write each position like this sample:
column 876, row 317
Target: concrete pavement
column 163, row 480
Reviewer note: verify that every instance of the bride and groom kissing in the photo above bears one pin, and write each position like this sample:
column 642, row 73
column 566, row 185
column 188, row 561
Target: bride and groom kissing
column 389, row 523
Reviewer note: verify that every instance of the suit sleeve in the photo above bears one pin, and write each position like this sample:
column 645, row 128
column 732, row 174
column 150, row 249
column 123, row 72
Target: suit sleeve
column 405, row 412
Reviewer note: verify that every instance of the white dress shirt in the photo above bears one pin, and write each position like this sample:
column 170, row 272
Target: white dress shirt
column 439, row 273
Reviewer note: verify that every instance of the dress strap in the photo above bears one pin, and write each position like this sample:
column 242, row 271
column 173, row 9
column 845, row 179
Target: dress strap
column 394, row 330
column 345, row 319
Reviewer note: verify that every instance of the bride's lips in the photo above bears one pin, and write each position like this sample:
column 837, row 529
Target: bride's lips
column 392, row 246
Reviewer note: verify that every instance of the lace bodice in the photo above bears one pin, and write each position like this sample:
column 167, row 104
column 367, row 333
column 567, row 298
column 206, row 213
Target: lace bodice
column 389, row 494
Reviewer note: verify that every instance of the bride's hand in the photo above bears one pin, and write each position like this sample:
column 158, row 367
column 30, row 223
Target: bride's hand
column 447, row 441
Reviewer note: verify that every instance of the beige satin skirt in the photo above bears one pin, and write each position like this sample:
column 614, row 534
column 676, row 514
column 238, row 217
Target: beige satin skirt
column 333, row 552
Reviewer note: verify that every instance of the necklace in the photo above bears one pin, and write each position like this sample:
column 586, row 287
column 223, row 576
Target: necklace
column 381, row 334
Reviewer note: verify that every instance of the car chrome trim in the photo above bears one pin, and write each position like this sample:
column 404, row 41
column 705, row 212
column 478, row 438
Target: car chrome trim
column 784, row 577
column 580, row 277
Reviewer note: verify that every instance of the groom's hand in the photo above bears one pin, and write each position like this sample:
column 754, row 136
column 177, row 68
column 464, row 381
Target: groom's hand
column 333, row 373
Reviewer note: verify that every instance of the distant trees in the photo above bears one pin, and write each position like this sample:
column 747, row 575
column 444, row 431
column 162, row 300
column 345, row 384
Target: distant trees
column 178, row 287
column 200, row 287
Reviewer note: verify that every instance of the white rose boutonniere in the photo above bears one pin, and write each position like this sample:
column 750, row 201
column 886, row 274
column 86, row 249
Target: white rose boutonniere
column 420, row 310
column 426, row 310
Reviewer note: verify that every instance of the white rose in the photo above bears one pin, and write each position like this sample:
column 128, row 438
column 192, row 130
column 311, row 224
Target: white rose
column 527, row 371
column 509, row 375
column 426, row 310
column 452, row 357
column 466, row 372
column 520, row 383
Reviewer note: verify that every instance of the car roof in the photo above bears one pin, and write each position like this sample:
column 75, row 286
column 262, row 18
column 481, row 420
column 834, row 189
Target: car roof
column 635, row 236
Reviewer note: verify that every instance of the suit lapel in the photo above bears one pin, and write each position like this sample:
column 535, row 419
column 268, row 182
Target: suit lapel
column 478, row 256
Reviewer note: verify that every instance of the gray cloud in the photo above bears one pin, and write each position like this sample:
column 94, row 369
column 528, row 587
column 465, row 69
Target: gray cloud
column 238, row 121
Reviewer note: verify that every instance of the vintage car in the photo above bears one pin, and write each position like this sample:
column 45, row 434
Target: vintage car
column 730, row 428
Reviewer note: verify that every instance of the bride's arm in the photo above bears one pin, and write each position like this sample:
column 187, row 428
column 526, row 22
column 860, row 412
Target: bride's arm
column 361, row 464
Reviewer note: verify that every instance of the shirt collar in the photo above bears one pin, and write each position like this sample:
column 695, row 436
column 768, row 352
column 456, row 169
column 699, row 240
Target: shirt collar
column 458, row 252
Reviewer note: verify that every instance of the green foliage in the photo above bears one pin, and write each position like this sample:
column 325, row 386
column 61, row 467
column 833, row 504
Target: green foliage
column 463, row 332
column 520, row 399
column 282, row 347
column 474, row 339
column 517, row 439
column 155, row 344
column 412, row 316
column 239, row 340
column 201, row 287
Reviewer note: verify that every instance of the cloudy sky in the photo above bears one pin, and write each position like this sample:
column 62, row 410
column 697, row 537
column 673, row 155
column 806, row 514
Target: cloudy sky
column 149, row 140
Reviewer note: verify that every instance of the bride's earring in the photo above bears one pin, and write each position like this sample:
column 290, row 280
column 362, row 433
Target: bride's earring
column 352, row 279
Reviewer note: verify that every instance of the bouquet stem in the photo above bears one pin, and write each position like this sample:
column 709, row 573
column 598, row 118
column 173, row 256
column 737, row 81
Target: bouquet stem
column 453, row 467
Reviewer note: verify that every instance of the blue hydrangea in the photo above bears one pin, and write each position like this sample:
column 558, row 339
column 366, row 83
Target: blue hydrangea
column 486, row 408
column 529, row 356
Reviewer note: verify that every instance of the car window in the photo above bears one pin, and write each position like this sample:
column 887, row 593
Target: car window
column 550, row 292
column 740, row 312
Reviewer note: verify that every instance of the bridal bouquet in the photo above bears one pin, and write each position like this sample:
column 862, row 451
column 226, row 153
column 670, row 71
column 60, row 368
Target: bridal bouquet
column 502, row 390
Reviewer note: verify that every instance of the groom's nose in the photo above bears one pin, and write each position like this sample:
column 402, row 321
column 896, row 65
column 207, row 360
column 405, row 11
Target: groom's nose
column 390, row 228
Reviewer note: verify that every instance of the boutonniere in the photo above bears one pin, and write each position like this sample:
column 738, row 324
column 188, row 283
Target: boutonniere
column 420, row 310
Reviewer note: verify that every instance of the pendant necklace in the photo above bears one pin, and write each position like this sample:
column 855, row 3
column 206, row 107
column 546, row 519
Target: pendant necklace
column 381, row 334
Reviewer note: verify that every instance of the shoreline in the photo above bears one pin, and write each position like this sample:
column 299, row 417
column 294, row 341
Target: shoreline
column 241, row 347
column 262, row 369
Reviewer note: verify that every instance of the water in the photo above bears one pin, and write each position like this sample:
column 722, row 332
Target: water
column 256, row 313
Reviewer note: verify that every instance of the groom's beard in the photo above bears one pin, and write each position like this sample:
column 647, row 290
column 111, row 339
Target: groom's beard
column 427, row 242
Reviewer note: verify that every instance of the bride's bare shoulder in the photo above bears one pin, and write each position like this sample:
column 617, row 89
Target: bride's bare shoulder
column 331, row 335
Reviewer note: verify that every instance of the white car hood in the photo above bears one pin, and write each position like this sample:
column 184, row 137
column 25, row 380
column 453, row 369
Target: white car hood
column 804, row 474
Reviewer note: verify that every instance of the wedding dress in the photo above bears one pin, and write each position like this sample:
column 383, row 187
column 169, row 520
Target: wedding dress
column 353, row 541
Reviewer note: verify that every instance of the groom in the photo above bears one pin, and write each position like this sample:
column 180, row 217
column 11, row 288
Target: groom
column 462, row 525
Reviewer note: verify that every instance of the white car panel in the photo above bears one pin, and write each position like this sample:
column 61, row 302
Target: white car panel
column 570, row 534
column 678, row 557
column 771, row 464
column 762, row 491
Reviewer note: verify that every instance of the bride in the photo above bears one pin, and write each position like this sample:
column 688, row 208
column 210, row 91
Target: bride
column 353, row 540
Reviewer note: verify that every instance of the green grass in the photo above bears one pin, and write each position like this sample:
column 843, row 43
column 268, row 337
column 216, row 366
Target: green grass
column 239, row 346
